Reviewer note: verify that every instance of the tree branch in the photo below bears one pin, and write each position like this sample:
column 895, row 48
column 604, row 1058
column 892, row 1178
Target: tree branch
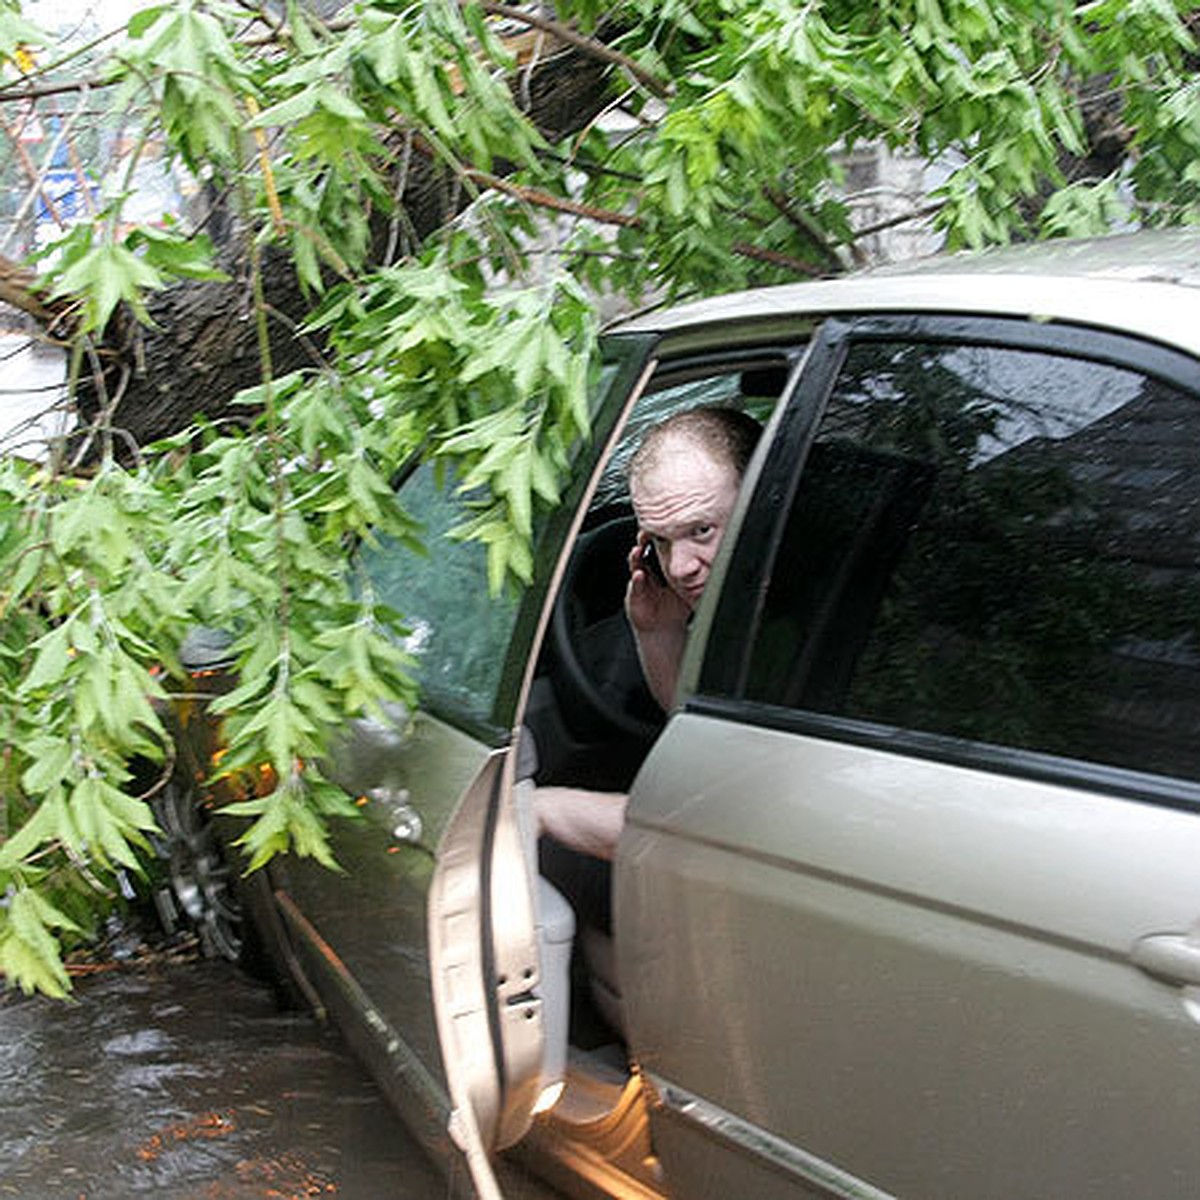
column 777, row 259
column 16, row 289
column 914, row 214
column 585, row 45
column 51, row 89
column 540, row 199
column 807, row 227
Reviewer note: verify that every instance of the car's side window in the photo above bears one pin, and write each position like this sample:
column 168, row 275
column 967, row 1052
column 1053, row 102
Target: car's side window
column 996, row 544
column 459, row 632
column 462, row 636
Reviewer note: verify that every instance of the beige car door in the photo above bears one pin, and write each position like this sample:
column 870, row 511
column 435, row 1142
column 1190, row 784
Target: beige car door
column 907, row 902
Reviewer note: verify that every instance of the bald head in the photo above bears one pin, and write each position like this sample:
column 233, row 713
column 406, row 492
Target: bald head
column 727, row 435
column 684, row 482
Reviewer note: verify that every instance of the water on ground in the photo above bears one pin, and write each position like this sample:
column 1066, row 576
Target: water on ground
column 185, row 1081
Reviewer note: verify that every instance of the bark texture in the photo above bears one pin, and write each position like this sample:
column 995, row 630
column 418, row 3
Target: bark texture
column 203, row 346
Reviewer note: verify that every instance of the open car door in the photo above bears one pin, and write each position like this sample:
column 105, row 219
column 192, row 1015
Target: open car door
column 499, row 954
column 499, row 937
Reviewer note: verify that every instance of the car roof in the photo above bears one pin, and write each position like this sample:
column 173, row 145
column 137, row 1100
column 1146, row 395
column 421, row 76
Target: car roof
column 1146, row 284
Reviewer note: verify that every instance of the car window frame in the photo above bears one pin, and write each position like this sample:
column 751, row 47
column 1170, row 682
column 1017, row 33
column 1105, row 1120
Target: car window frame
column 631, row 353
column 628, row 354
column 723, row 674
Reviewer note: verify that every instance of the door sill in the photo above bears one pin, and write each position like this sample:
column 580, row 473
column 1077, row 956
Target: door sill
column 596, row 1141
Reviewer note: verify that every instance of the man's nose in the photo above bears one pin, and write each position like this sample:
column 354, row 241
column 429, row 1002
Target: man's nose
column 684, row 562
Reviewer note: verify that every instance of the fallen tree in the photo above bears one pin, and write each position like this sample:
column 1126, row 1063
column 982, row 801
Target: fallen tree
column 368, row 276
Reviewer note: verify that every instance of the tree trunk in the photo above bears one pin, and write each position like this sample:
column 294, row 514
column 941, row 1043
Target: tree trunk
column 203, row 346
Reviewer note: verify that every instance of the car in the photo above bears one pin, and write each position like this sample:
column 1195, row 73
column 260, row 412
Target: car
column 907, row 898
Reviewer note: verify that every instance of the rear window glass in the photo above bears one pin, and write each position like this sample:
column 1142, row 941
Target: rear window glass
column 998, row 545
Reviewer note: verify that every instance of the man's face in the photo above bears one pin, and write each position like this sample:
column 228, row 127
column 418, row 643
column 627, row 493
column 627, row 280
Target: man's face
column 683, row 499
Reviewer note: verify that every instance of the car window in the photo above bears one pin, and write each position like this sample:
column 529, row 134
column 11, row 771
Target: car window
column 1000, row 545
column 458, row 631
column 461, row 635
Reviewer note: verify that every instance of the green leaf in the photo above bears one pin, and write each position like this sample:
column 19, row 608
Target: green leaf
column 30, row 969
column 29, row 952
column 173, row 254
column 143, row 19
column 53, row 759
column 105, row 276
column 339, row 104
column 44, row 826
column 287, row 112
column 52, row 659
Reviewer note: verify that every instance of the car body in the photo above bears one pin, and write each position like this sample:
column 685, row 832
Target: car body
column 907, row 898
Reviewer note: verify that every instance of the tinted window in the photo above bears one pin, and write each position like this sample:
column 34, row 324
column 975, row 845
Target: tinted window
column 999, row 545
column 459, row 632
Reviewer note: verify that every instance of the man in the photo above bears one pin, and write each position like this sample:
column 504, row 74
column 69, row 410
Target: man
column 683, row 482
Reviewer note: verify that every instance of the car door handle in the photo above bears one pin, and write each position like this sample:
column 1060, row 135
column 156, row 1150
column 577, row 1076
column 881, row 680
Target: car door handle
column 1172, row 957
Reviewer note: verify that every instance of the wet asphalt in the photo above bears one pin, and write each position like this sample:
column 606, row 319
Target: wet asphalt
column 179, row 1080
column 184, row 1080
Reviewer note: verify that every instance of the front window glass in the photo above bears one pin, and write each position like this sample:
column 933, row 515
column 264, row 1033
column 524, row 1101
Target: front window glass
column 997, row 545
column 461, row 634
column 459, row 631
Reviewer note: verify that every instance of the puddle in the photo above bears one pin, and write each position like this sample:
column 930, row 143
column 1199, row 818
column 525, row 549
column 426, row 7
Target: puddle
column 185, row 1081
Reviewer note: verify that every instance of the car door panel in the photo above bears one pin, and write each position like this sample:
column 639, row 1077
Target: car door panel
column 914, row 972
column 373, row 911
column 417, row 953
column 906, row 900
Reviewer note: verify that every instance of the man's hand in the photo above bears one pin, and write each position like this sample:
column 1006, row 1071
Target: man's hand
column 659, row 619
column 651, row 606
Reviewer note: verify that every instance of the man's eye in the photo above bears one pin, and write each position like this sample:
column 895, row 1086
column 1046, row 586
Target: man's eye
column 702, row 531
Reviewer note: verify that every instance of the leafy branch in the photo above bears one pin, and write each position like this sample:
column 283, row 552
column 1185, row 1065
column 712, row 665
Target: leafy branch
column 390, row 197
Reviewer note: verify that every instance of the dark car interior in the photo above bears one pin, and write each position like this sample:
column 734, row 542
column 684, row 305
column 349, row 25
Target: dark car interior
column 590, row 715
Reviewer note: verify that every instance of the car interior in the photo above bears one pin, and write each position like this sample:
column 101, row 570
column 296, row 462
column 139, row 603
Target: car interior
column 591, row 721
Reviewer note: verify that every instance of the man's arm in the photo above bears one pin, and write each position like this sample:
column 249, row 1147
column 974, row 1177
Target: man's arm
column 658, row 619
column 587, row 821
column 660, row 653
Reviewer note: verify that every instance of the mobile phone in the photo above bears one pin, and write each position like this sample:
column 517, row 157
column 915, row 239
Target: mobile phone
column 652, row 565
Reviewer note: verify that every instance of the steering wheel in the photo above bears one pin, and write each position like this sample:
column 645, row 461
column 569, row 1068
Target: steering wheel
column 593, row 592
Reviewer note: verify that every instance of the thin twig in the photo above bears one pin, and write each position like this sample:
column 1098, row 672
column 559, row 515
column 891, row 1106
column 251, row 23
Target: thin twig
column 15, row 92
column 777, row 259
column 76, row 52
column 525, row 86
column 39, row 178
column 806, row 226
column 16, row 288
column 916, row 214
column 540, row 199
column 401, row 225
column 310, row 347
column 581, row 136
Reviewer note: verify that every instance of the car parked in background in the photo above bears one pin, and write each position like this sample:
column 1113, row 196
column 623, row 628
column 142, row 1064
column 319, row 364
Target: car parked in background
column 907, row 899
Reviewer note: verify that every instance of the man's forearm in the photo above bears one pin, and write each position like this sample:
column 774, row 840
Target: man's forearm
column 587, row 821
column 660, row 654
